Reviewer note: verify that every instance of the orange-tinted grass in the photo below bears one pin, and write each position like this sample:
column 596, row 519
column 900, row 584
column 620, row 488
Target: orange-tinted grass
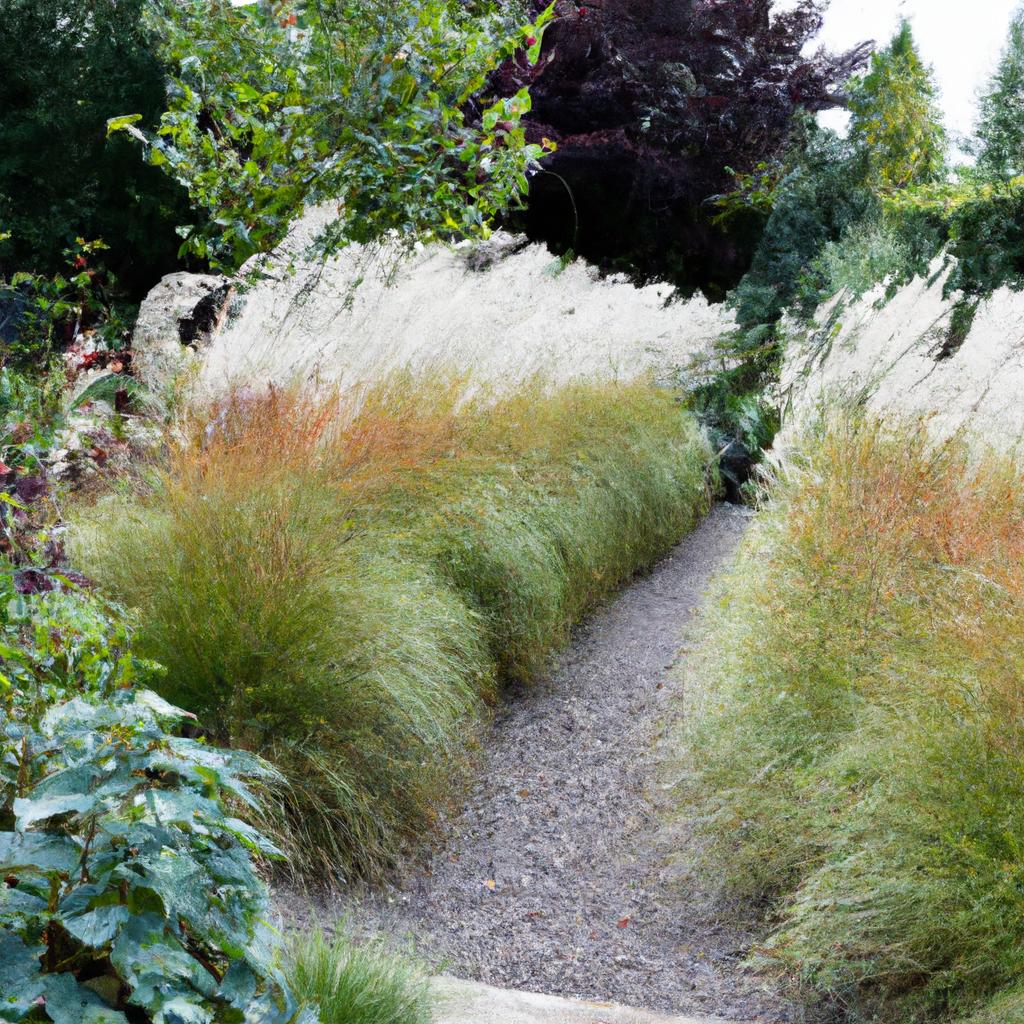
column 339, row 580
column 858, row 752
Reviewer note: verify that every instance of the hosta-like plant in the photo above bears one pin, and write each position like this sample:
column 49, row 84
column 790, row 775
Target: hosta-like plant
column 129, row 891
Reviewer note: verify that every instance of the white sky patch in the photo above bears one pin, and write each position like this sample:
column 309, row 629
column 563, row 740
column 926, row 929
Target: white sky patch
column 962, row 42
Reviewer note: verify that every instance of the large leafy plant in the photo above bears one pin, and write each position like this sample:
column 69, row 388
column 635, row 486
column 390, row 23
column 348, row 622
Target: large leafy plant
column 129, row 891
column 365, row 104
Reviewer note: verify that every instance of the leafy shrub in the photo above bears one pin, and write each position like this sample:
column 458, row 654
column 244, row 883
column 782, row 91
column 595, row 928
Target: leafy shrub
column 868, row 253
column 130, row 891
column 814, row 203
column 45, row 314
column 360, row 105
column 352, row 984
column 346, row 606
column 977, row 220
column 858, row 746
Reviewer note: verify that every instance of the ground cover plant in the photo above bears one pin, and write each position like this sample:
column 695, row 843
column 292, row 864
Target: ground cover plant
column 342, row 582
column 858, row 743
column 130, row 890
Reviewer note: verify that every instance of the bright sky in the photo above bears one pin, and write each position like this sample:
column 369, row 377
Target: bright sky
column 962, row 42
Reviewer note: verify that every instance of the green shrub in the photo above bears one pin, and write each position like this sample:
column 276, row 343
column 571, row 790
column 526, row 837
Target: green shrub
column 868, row 253
column 857, row 752
column 130, row 891
column 362, row 106
column 352, row 984
column 347, row 606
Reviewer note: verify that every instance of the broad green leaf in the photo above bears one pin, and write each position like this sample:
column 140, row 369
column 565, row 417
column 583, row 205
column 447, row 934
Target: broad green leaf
column 97, row 927
column 119, row 124
column 28, row 811
column 21, row 981
column 68, row 1002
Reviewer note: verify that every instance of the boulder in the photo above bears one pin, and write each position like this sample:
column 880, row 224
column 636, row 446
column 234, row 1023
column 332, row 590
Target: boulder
column 175, row 322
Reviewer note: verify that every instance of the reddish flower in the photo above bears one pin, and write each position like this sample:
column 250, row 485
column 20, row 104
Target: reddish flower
column 80, row 262
column 531, row 40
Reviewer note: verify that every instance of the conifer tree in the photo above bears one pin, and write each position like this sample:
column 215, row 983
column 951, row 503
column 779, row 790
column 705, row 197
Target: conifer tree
column 1000, row 128
column 896, row 121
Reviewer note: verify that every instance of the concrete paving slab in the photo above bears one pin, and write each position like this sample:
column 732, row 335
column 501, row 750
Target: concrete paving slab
column 464, row 1002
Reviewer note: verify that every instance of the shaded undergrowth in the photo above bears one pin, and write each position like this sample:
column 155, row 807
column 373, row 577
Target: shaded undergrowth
column 342, row 582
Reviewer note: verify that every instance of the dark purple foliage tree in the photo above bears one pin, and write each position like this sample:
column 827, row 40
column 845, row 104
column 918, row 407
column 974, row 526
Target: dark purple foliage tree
column 651, row 102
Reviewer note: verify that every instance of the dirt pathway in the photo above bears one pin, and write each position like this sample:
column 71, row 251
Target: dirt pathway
column 549, row 881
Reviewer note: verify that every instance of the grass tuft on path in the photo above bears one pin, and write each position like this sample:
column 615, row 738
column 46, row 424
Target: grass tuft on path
column 356, row 984
column 342, row 582
column 857, row 747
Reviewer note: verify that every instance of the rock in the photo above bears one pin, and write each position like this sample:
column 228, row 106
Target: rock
column 463, row 1002
column 176, row 320
column 912, row 356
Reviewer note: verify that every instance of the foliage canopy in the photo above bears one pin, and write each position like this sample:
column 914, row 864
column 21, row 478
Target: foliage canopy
column 896, row 121
column 361, row 104
column 67, row 67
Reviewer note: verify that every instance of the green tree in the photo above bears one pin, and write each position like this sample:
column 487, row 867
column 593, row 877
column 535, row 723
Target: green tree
column 896, row 122
column 68, row 65
column 1000, row 128
column 368, row 105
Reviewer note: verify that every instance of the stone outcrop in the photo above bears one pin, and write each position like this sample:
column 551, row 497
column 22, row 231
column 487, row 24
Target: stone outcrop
column 175, row 323
column 503, row 310
column 910, row 357
column 464, row 1002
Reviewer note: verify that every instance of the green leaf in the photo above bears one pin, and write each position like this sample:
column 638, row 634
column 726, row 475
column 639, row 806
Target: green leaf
column 68, row 1002
column 37, row 852
column 97, row 927
column 21, row 980
column 28, row 811
column 119, row 124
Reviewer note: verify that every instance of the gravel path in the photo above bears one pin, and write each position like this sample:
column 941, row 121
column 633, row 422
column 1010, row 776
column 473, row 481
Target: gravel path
column 550, row 880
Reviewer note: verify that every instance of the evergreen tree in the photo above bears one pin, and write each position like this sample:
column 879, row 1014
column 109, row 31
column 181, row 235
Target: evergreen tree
column 896, row 121
column 1001, row 119
column 67, row 66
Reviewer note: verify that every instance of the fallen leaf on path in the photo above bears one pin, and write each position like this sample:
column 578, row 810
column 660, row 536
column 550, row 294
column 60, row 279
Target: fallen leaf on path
column 624, row 921
column 490, row 884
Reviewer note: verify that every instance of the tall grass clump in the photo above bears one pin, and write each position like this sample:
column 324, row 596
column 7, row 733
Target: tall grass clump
column 340, row 582
column 352, row 984
column 857, row 751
